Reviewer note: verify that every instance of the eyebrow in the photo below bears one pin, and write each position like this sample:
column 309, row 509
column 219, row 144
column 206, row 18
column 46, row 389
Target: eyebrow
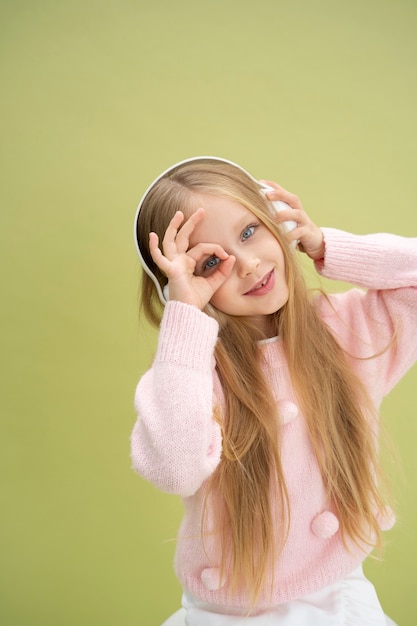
column 248, row 218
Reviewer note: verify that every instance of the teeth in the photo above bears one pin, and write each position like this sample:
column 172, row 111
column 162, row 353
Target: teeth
column 263, row 283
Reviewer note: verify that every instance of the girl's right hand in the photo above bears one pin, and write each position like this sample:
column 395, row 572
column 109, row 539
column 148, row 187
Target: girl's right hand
column 178, row 262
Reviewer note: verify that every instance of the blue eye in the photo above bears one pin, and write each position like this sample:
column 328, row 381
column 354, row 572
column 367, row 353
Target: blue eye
column 248, row 232
column 211, row 262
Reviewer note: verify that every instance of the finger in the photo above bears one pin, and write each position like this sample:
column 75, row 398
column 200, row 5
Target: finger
column 155, row 251
column 270, row 183
column 168, row 242
column 279, row 193
column 285, row 215
column 203, row 250
column 184, row 234
column 220, row 276
column 158, row 256
column 153, row 244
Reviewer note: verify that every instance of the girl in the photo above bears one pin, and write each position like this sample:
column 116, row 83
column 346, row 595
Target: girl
column 260, row 408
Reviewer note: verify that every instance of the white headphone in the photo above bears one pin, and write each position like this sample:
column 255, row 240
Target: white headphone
column 277, row 206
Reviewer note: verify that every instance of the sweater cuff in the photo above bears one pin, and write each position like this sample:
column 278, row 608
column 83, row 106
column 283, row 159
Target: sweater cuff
column 379, row 261
column 187, row 336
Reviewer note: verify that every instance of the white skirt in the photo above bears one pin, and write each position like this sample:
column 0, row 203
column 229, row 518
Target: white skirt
column 349, row 602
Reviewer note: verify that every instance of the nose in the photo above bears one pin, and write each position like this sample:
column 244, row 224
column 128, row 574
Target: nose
column 246, row 264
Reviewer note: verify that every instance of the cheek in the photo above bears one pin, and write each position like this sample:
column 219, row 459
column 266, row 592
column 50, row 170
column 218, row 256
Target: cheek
column 276, row 249
column 223, row 297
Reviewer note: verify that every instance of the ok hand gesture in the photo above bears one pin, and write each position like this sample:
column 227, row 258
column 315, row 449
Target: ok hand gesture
column 178, row 262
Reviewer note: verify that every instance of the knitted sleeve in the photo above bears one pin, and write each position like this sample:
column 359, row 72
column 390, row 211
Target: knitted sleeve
column 175, row 443
column 381, row 318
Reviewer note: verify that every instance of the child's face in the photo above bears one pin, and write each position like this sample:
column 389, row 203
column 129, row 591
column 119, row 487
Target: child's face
column 257, row 285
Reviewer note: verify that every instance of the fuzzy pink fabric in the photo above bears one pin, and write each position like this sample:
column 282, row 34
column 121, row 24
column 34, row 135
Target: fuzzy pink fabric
column 176, row 444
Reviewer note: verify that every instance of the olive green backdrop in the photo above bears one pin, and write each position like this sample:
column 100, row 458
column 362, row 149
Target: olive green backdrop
column 97, row 97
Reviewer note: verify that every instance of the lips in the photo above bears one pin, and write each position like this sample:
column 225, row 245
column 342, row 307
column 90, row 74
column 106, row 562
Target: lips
column 264, row 286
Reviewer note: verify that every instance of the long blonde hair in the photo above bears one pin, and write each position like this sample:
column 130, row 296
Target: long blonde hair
column 336, row 406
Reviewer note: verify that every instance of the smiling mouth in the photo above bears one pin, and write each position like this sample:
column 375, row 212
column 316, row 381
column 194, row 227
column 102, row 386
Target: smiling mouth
column 264, row 286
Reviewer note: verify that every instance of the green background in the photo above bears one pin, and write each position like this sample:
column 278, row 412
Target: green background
column 97, row 97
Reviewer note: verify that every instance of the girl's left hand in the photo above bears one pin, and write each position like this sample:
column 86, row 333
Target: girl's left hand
column 309, row 236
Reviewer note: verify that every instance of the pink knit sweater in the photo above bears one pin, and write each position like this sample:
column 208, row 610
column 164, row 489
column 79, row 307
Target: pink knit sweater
column 176, row 445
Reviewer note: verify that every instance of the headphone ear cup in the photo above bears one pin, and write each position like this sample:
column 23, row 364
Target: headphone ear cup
column 165, row 291
column 278, row 205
